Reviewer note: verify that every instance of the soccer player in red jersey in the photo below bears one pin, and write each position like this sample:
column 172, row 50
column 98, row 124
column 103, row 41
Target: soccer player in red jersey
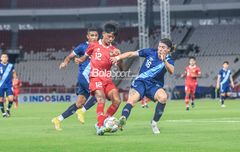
column 101, row 84
column 17, row 83
column 192, row 72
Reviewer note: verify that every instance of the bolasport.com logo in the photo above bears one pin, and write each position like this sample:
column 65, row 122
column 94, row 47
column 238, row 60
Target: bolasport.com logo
column 114, row 74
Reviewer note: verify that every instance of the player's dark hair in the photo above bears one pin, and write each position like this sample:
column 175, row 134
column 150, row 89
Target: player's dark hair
column 192, row 57
column 4, row 53
column 92, row 29
column 111, row 27
column 169, row 43
column 226, row 62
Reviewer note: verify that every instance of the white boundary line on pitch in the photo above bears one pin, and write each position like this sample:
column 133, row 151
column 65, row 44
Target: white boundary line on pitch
column 206, row 120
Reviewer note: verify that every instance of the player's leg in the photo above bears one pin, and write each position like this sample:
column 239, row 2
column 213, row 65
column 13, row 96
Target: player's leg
column 100, row 96
column 91, row 101
column 161, row 98
column 193, row 96
column 133, row 97
column 89, row 104
column 187, row 95
column 70, row 111
column 96, row 87
column 222, row 99
column 83, row 89
column 112, row 93
column 9, row 94
column 2, row 102
column 14, row 98
column 222, row 94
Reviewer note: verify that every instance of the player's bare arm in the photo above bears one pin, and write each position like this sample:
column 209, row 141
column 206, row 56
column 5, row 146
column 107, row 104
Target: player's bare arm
column 81, row 59
column 124, row 56
column 232, row 83
column 196, row 75
column 66, row 60
column 184, row 74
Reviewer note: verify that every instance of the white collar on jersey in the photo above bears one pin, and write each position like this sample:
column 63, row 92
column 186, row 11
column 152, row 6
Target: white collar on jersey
column 192, row 66
column 100, row 42
column 225, row 69
column 4, row 64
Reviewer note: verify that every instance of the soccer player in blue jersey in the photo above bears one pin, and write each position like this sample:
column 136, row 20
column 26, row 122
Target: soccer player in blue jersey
column 150, row 80
column 224, row 81
column 6, row 72
column 82, row 84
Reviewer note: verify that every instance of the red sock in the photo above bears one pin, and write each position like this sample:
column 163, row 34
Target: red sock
column 100, row 113
column 187, row 100
column 16, row 101
column 193, row 96
column 112, row 110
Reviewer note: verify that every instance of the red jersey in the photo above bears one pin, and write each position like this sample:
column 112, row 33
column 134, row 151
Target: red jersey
column 100, row 59
column 191, row 73
column 16, row 83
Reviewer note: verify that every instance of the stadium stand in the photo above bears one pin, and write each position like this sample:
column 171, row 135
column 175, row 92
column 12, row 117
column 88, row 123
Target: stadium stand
column 41, row 40
column 47, row 73
column 212, row 1
column 216, row 40
column 4, row 4
column 5, row 39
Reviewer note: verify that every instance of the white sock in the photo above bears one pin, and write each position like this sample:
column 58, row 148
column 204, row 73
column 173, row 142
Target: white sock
column 154, row 122
column 60, row 118
column 83, row 109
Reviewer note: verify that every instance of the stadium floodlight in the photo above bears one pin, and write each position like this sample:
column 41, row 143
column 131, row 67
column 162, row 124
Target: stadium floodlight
column 165, row 19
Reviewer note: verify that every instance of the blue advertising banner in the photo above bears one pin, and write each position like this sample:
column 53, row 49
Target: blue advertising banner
column 65, row 97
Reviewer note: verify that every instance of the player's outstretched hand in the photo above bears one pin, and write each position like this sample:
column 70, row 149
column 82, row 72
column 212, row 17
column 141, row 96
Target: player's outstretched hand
column 116, row 52
column 163, row 56
column 62, row 65
column 113, row 59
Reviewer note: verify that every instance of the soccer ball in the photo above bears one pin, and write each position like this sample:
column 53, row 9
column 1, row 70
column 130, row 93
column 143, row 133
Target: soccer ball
column 111, row 124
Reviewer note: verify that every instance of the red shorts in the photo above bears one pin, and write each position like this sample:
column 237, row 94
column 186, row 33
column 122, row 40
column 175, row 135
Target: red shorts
column 105, row 85
column 190, row 88
column 16, row 92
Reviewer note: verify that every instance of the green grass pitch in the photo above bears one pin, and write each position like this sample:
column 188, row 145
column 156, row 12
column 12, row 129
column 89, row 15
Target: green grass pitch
column 206, row 128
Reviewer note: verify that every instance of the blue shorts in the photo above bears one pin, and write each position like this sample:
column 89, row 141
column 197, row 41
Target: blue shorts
column 83, row 88
column 8, row 91
column 146, row 88
column 224, row 88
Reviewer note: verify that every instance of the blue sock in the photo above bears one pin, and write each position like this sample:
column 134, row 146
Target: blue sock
column 222, row 99
column 2, row 107
column 158, row 111
column 70, row 111
column 10, row 104
column 127, row 110
column 90, row 102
